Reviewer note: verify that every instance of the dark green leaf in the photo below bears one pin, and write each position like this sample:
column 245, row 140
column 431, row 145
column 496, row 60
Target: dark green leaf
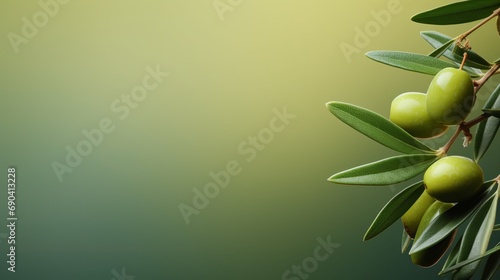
column 498, row 25
column 466, row 262
column 388, row 171
column 492, row 112
column 394, row 209
column 492, row 266
column 405, row 241
column 476, row 237
column 377, row 128
column 460, row 12
column 436, row 40
column 493, row 101
column 487, row 130
column 440, row 50
column 448, row 221
column 453, row 256
column 410, row 61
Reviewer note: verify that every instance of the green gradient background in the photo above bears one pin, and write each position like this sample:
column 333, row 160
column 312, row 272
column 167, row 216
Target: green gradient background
column 119, row 208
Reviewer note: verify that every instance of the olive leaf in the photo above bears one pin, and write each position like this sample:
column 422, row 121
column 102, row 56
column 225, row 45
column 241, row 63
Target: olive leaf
column 377, row 128
column 452, row 52
column 405, row 241
column 460, row 12
column 387, row 171
column 440, row 50
column 476, row 237
column 471, row 260
column 410, row 61
column 394, row 209
column 496, row 227
column 448, row 221
column 453, row 256
column 498, row 25
column 492, row 266
column 492, row 112
column 487, row 130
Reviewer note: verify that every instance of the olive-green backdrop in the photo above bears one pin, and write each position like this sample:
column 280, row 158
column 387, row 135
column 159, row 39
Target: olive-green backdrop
column 189, row 139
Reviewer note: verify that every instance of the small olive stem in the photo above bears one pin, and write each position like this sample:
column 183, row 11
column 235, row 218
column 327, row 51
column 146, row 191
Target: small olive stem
column 447, row 146
column 484, row 21
column 473, row 122
column 463, row 61
column 479, row 83
column 465, row 128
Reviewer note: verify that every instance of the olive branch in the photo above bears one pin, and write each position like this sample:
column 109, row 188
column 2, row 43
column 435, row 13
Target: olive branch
column 475, row 214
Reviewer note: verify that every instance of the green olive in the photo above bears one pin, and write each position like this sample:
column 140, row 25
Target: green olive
column 453, row 179
column 408, row 111
column 430, row 256
column 411, row 219
column 450, row 96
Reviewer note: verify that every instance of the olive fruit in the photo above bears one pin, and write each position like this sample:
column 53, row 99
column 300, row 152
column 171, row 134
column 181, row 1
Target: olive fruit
column 431, row 255
column 411, row 219
column 453, row 179
column 408, row 111
column 450, row 96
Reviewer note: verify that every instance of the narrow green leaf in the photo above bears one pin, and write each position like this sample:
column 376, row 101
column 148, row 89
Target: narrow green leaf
column 448, row 221
column 493, row 101
column 496, row 227
column 477, row 236
column 466, row 262
column 492, row 112
column 453, row 256
column 394, row 209
column 405, row 241
column 436, row 40
column 377, row 128
column 492, row 266
column 460, row 12
column 485, row 133
column 388, row 171
column 440, row 50
column 498, row 25
column 487, row 130
column 410, row 61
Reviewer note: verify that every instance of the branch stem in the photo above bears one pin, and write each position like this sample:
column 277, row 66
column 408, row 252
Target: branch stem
column 484, row 21
column 479, row 83
column 450, row 142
